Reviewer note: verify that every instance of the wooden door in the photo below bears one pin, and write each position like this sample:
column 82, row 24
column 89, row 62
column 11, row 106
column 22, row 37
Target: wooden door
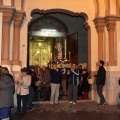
column 72, row 48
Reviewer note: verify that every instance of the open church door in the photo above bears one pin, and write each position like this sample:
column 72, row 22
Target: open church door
column 72, row 47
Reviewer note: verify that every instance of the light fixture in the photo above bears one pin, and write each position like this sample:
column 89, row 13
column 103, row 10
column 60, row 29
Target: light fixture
column 48, row 33
column 48, row 30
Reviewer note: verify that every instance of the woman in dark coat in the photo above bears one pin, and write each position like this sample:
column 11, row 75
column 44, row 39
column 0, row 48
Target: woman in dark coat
column 85, row 85
column 7, row 89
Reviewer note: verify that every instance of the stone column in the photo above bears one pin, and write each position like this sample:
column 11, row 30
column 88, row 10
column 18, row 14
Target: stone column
column 12, row 2
column 16, row 42
column 100, row 24
column 110, row 24
column 7, row 18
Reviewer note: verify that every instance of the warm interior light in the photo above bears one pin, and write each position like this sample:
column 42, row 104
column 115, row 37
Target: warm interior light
column 37, row 51
column 39, row 44
column 48, row 33
column 48, row 30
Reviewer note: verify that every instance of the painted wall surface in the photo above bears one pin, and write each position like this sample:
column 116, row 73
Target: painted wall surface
column 7, row 2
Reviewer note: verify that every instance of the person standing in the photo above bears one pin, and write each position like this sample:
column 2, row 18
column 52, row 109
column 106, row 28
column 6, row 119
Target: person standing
column 100, row 81
column 72, row 84
column 64, row 80
column 80, row 94
column 84, row 84
column 46, row 82
column 7, row 89
column 23, row 82
column 55, row 83
column 32, row 87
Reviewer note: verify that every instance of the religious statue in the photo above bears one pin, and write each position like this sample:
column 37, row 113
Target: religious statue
column 58, row 47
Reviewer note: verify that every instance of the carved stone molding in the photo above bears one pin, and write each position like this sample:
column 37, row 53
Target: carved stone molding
column 6, row 62
column 114, row 63
column 100, row 28
column 87, row 26
column 17, row 62
column 17, row 24
column 19, row 15
column 110, row 23
column 7, row 17
column 111, row 26
column 99, row 24
column 18, row 19
column 7, row 20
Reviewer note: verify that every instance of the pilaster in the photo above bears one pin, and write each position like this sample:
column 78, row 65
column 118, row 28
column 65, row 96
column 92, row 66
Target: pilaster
column 18, row 19
column 100, row 25
column 111, row 24
column 7, row 18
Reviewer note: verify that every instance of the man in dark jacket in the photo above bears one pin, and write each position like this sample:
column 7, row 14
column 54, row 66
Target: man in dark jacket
column 100, row 81
column 45, row 73
column 72, row 84
column 55, row 83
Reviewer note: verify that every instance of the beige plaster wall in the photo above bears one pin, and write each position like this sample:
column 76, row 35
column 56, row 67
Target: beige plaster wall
column 101, row 8
column 112, row 7
column 18, row 4
column 7, row 2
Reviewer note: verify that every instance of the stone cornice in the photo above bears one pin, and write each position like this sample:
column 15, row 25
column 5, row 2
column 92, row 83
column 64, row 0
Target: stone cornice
column 116, row 18
column 6, row 8
column 99, row 24
column 99, row 20
column 19, row 15
column 111, row 26
column 7, row 17
column 87, row 26
column 100, row 28
column 18, row 23
column 18, row 18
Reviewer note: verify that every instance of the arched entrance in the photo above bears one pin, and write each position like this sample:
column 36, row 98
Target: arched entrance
column 48, row 28
column 46, row 33
column 71, row 30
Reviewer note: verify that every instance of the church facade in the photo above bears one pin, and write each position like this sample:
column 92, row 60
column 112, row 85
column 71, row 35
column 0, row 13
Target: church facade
column 101, row 20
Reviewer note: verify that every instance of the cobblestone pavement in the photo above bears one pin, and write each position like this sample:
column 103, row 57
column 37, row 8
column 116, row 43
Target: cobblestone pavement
column 84, row 110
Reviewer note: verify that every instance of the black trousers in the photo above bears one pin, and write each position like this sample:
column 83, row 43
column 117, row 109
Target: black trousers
column 72, row 92
column 47, row 92
column 24, row 102
column 99, row 91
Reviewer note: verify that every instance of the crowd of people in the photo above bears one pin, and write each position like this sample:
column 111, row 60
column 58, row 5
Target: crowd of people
column 35, row 82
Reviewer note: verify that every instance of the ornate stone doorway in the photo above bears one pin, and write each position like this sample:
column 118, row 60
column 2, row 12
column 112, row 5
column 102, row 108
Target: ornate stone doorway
column 47, row 36
column 57, row 20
